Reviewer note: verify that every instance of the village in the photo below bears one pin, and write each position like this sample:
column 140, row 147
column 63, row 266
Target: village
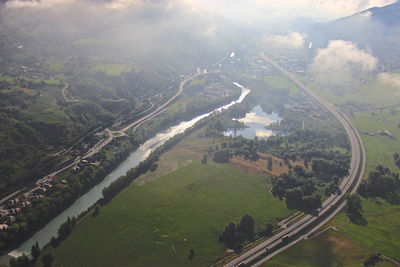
column 84, row 155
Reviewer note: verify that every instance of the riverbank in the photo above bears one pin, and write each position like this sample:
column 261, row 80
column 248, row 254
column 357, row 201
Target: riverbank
column 44, row 235
column 168, row 214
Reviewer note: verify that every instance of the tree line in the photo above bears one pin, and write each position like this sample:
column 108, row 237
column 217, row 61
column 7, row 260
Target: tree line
column 382, row 183
column 123, row 181
column 61, row 196
column 301, row 188
column 235, row 235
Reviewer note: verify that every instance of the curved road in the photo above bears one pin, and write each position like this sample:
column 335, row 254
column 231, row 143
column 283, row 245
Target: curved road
column 162, row 107
column 63, row 91
column 101, row 144
column 278, row 243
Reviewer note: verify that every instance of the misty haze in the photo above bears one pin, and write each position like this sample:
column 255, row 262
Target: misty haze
column 199, row 133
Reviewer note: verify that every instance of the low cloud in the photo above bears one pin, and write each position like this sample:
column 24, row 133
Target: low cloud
column 315, row 8
column 37, row 4
column 293, row 40
column 392, row 79
column 234, row 9
column 341, row 56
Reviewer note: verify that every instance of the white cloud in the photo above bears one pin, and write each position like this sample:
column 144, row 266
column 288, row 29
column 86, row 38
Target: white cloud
column 392, row 79
column 37, row 4
column 235, row 9
column 293, row 40
column 334, row 8
column 366, row 14
column 341, row 56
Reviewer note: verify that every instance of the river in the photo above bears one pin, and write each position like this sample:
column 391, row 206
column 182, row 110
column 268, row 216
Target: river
column 44, row 235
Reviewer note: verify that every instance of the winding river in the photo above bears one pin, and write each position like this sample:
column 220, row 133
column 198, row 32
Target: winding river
column 44, row 235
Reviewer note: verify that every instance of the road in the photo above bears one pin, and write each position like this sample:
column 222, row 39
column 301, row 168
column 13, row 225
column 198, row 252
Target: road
column 63, row 91
column 102, row 143
column 304, row 227
column 161, row 108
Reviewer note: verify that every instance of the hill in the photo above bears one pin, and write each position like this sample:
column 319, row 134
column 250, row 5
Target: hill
column 377, row 29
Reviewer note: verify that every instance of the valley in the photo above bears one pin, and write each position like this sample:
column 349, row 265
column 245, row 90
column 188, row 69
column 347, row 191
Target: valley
column 174, row 133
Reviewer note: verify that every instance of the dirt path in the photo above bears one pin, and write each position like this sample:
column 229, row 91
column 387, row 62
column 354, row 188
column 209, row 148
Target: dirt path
column 63, row 91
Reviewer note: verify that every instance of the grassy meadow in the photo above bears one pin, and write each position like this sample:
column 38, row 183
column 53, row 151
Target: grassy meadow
column 156, row 224
column 381, row 234
column 330, row 248
column 382, row 230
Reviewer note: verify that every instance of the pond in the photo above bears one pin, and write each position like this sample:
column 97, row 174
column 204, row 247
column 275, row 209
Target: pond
column 255, row 122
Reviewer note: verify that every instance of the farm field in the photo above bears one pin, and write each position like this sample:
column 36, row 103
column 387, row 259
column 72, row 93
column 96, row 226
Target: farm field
column 379, row 149
column 380, row 234
column 330, row 248
column 381, row 231
column 158, row 223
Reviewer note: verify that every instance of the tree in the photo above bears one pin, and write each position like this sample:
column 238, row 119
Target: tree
column 222, row 156
column 96, row 210
column 21, row 261
column 354, row 210
column 229, row 236
column 54, row 242
column 299, row 171
column 246, row 227
column 47, row 259
column 294, row 198
column 204, row 160
column 153, row 167
column 354, row 204
column 396, row 159
column 191, row 254
column 381, row 182
column 35, row 251
column 372, row 260
column 268, row 229
column 311, row 202
column 269, row 163
column 306, row 163
column 66, row 228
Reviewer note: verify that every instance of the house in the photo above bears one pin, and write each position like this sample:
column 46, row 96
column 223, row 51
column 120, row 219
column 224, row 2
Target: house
column 13, row 202
column 46, row 185
column 36, row 198
column 39, row 191
column 11, row 219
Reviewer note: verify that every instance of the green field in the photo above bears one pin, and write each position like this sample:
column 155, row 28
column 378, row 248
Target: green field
column 379, row 149
column 281, row 82
column 382, row 230
column 330, row 248
column 147, row 225
column 112, row 69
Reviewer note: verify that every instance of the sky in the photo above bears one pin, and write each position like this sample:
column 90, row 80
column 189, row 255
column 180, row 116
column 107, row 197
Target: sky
column 144, row 24
column 239, row 10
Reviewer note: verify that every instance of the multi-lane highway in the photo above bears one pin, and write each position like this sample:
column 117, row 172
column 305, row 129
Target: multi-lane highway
column 108, row 133
column 161, row 108
column 330, row 207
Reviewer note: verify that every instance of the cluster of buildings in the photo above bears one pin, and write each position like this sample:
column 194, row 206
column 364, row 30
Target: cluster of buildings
column 216, row 90
column 9, row 210
column 308, row 108
column 16, row 205
column 382, row 133
column 33, row 70
column 294, row 65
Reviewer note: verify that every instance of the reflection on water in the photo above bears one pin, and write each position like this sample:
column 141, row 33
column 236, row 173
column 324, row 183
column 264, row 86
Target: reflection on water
column 255, row 121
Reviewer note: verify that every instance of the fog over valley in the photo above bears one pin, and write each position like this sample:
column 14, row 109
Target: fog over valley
column 199, row 133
